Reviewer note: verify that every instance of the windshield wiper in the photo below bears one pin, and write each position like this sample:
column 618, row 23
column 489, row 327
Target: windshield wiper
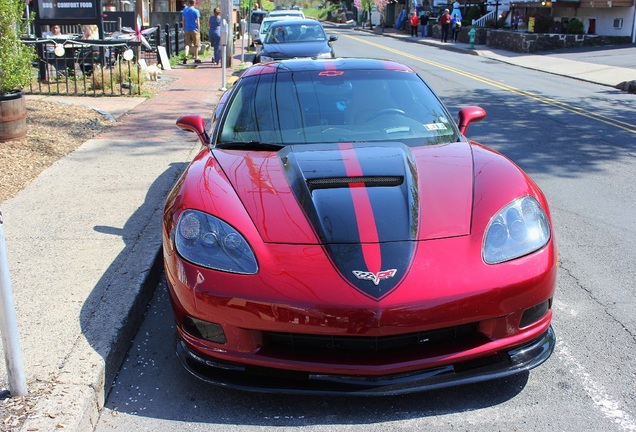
column 249, row 145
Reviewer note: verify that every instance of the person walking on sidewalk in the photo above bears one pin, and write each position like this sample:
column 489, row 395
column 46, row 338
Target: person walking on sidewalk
column 456, row 26
column 215, row 34
column 415, row 22
column 191, row 26
column 445, row 20
column 424, row 24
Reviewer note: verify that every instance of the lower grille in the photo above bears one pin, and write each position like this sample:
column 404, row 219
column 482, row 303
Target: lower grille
column 319, row 344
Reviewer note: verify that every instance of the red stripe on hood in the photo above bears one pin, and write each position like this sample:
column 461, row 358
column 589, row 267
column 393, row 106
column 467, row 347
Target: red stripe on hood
column 365, row 219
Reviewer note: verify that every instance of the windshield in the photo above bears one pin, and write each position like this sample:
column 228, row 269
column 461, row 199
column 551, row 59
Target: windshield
column 347, row 106
column 257, row 18
column 293, row 33
column 265, row 25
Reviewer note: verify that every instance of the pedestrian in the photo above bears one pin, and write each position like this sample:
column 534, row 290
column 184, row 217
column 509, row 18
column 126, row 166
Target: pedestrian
column 456, row 26
column 215, row 35
column 62, row 63
column 415, row 22
column 515, row 20
column 445, row 20
column 191, row 25
column 424, row 24
column 90, row 31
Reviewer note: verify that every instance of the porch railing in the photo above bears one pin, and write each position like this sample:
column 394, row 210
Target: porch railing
column 481, row 22
column 83, row 68
column 98, row 67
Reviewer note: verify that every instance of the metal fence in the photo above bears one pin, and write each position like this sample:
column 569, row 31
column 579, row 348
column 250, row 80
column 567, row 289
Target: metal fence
column 100, row 67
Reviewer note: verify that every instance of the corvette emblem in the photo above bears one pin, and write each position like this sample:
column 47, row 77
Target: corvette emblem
column 375, row 277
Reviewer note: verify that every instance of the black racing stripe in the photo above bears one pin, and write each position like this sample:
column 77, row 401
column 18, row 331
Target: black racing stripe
column 332, row 214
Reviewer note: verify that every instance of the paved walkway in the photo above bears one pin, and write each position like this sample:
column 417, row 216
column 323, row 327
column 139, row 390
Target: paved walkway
column 84, row 238
column 84, row 245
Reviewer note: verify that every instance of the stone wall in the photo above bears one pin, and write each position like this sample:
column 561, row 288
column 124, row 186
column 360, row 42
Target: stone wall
column 523, row 42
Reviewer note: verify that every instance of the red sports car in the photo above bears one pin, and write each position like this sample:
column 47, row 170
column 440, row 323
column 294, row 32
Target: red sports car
column 339, row 234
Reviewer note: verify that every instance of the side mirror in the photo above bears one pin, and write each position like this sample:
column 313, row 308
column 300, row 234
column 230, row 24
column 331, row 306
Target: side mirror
column 196, row 124
column 258, row 42
column 333, row 38
column 470, row 115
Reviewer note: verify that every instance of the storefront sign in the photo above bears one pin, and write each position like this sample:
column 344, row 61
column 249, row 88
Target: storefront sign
column 58, row 10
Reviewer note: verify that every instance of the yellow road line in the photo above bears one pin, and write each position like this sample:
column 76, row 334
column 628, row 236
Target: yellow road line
column 536, row 97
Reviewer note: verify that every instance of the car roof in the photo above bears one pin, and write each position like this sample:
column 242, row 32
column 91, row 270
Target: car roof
column 291, row 12
column 297, row 22
column 333, row 66
column 281, row 18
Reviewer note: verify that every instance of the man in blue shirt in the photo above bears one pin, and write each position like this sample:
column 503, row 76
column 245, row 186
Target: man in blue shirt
column 191, row 25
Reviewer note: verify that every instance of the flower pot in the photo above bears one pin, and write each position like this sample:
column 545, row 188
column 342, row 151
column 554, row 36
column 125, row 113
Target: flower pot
column 12, row 116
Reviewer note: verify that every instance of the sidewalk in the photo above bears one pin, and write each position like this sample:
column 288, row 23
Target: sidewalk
column 84, row 243
column 84, row 239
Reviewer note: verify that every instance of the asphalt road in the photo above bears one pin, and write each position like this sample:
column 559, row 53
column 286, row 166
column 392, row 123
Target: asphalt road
column 577, row 140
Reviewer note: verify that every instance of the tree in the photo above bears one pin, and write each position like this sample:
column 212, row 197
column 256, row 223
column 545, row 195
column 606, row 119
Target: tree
column 15, row 57
column 367, row 6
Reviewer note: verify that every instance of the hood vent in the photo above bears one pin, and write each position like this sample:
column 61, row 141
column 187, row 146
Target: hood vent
column 341, row 182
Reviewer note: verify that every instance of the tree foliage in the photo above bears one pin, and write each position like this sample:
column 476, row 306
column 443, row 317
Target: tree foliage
column 367, row 6
column 16, row 58
column 543, row 24
column 574, row 27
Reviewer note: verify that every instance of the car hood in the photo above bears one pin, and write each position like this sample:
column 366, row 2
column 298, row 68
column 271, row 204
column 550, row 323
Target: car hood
column 292, row 50
column 343, row 194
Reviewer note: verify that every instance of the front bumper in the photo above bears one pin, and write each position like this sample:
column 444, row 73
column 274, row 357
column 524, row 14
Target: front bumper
column 269, row 380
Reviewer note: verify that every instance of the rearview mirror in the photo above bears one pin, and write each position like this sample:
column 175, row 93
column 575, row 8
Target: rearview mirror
column 196, row 124
column 470, row 115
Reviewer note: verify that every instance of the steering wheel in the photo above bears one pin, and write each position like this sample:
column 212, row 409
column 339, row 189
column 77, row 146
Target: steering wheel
column 386, row 111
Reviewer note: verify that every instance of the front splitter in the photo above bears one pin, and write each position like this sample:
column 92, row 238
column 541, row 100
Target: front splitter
column 265, row 380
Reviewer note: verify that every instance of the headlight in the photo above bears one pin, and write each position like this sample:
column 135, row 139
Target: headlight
column 209, row 242
column 518, row 229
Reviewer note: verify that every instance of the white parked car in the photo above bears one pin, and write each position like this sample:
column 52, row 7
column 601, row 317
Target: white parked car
column 287, row 13
column 265, row 25
column 256, row 18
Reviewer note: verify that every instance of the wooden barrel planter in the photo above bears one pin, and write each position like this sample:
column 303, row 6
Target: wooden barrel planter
column 12, row 116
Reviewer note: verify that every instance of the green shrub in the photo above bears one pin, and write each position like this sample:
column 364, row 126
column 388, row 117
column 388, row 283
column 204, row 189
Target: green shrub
column 473, row 13
column 574, row 27
column 543, row 24
column 16, row 58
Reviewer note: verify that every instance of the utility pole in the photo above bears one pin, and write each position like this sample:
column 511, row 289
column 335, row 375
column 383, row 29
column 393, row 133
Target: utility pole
column 226, row 12
column 497, row 13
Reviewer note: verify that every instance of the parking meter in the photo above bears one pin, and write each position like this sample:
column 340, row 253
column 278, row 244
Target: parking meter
column 224, row 43
column 224, row 33
column 243, row 30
